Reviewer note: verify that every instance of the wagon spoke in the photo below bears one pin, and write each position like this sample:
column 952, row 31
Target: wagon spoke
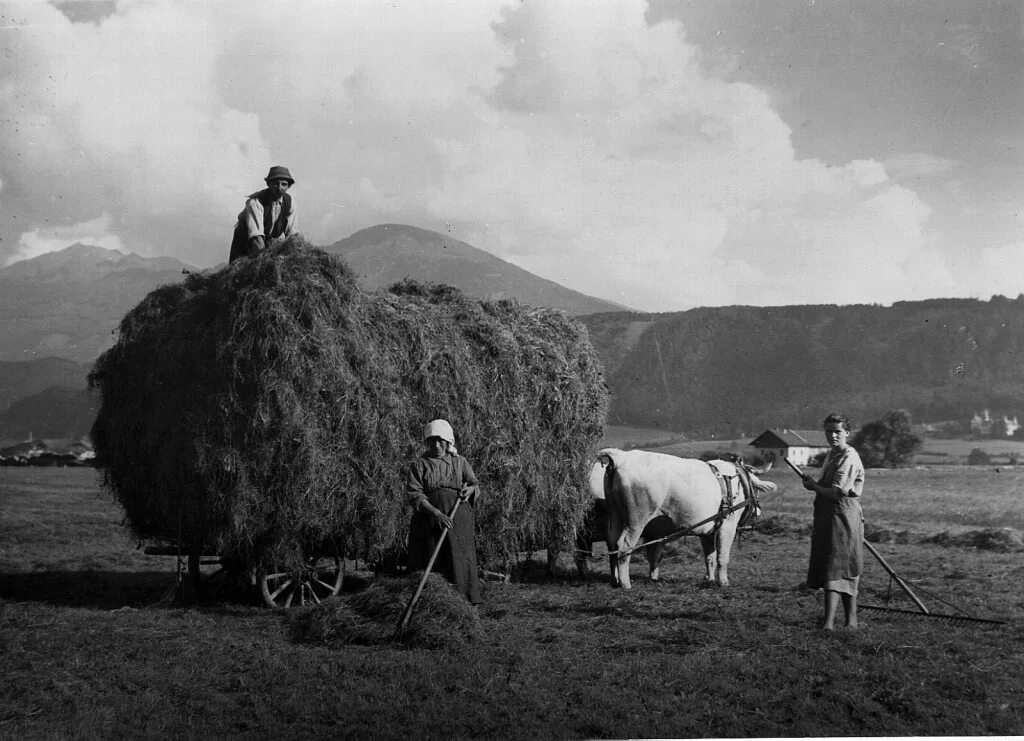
column 288, row 599
column 325, row 585
column 280, row 589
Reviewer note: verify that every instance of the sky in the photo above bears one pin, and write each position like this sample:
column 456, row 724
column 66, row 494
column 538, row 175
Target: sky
column 662, row 155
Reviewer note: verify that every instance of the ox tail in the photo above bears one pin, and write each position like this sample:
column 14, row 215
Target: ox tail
column 606, row 457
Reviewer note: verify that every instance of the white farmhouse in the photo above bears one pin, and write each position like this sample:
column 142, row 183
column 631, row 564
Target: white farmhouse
column 799, row 446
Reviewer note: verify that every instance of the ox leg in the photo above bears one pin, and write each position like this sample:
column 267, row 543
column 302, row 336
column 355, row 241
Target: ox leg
column 584, row 551
column 549, row 569
column 654, row 555
column 726, row 534
column 581, row 563
column 707, row 544
column 613, row 529
column 630, row 536
column 594, row 529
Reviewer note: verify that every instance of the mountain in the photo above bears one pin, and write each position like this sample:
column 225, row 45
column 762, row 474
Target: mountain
column 741, row 369
column 66, row 304
column 23, row 378
column 56, row 412
column 82, row 262
column 385, row 254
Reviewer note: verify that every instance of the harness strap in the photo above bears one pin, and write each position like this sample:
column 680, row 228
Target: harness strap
column 676, row 534
column 724, row 483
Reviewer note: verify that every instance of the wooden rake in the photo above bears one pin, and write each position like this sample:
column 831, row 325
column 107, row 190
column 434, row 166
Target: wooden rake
column 922, row 611
column 426, row 572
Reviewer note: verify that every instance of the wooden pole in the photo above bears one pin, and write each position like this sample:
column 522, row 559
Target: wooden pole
column 426, row 572
column 899, row 580
column 796, row 470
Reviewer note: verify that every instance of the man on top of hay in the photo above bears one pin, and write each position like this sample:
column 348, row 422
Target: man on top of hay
column 268, row 214
column 434, row 483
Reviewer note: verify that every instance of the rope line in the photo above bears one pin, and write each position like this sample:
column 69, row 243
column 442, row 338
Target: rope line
column 720, row 515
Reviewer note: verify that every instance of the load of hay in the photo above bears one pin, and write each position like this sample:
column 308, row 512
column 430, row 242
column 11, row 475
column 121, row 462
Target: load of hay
column 269, row 410
column 442, row 617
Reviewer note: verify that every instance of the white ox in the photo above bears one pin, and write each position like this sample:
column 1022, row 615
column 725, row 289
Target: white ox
column 641, row 486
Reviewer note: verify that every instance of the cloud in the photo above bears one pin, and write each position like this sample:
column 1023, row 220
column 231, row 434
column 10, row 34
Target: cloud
column 998, row 270
column 50, row 239
column 122, row 117
column 588, row 147
column 918, row 165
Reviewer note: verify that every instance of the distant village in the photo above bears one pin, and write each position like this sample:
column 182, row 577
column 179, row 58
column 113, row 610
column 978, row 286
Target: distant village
column 984, row 425
column 58, row 453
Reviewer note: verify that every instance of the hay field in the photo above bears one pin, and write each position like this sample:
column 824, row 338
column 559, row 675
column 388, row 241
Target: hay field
column 86, row 653
column 956, row 451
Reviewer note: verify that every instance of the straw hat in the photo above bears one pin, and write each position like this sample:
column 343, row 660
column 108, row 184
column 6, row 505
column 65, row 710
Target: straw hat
column 277, row 172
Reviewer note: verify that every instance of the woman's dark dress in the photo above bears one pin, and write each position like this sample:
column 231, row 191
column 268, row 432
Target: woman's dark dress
column 837, row 551
column 440, row 481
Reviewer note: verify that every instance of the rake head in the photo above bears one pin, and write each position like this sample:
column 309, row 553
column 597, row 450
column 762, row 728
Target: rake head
column 933, row 615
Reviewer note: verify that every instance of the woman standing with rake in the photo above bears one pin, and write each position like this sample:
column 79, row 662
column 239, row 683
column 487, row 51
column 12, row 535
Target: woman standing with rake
column 435, row 482
column 837, row 553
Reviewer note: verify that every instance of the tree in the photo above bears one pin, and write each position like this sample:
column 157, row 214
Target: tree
column 978, row 457
column 887, row 442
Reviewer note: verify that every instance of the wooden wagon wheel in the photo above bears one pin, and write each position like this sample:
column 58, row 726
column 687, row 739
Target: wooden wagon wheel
column 319, row 578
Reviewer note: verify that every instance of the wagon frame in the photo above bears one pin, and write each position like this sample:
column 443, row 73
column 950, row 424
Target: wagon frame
column 319, row 577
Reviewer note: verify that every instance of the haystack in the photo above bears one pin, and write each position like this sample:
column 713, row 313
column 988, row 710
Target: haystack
column 269, row 410
column 442, row 618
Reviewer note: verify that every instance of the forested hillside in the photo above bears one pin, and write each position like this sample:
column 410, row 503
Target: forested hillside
column 734, row 370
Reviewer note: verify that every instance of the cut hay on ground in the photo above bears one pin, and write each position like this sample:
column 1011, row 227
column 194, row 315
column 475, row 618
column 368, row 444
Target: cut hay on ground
column 442, row 617
column 271, row 408
column 1003, row 539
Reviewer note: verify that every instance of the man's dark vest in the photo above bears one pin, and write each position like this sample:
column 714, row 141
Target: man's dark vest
column 271, row 228
column 240, row 246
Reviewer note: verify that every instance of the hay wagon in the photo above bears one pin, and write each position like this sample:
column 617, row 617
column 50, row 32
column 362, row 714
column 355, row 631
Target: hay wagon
column 255, row 421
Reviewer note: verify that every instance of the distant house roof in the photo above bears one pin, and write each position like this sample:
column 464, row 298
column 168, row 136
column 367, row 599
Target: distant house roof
column 789, row 439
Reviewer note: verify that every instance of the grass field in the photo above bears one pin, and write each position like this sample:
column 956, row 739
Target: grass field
column 86, row 653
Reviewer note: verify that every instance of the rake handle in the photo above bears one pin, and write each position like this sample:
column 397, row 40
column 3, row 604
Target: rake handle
column 426, row 572
column 899, row 580
column 796, row 470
